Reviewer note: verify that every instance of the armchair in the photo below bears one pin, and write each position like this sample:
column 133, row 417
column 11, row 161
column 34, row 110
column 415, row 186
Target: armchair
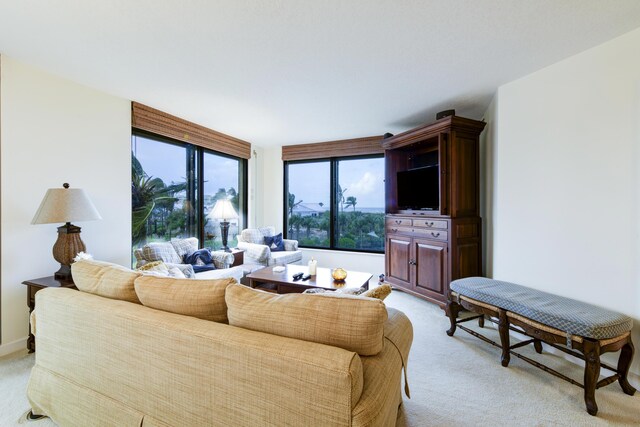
column 251, row 240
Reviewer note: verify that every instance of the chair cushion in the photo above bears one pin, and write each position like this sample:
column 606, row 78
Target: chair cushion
column 185, row 246
column 286, row 257
column 105, row 279
column 349, row 322
column 565, row 314
column 252, row 235
column 203, row 299
column 161, row 251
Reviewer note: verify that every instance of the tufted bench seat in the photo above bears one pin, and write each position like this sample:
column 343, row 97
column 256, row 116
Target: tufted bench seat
column 565, row 324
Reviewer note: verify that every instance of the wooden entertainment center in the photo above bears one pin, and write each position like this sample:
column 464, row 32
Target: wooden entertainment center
column 435, row 169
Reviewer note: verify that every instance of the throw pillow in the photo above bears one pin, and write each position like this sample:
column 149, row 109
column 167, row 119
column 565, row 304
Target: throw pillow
column 153, row 266
column 177, row 273
column 204, row 299
column 275, row 243
column 105, row 279
column 349, row 322
column 380, row 292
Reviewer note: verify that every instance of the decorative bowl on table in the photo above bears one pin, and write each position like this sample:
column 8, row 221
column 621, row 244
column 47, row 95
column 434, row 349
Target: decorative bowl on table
column 339, row 274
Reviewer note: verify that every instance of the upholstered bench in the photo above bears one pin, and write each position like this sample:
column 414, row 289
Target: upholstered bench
column 563, row 323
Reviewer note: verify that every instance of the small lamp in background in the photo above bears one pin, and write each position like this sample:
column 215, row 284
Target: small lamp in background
column 223, row 210
column 66, row 205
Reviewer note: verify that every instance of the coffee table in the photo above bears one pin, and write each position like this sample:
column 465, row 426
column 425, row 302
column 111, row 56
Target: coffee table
column 283, row 282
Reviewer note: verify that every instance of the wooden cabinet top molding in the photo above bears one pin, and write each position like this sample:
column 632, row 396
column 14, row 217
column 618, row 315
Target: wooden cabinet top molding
column 432, row 130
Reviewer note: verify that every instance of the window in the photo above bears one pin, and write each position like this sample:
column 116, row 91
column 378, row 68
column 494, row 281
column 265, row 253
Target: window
column 222, row 178
column 173, row 187
column 308, row 203
column 336, row 203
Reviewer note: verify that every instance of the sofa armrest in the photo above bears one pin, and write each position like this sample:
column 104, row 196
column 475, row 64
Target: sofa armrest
column 259, row 254
column 222, row 259
column 290, row 245
column 399, row 331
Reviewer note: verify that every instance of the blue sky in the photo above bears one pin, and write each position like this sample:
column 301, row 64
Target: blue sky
column 168, row 162
column 363, row 179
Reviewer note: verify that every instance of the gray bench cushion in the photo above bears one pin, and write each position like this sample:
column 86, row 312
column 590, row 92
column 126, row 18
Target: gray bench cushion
column 565, row 314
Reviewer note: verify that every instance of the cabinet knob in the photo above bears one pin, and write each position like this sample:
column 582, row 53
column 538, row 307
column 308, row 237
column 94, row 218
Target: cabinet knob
column 435, row 234
column 428, row 224
column 398, row 221
column 394, row 230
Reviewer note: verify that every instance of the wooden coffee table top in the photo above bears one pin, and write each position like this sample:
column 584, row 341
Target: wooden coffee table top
column 322, row 279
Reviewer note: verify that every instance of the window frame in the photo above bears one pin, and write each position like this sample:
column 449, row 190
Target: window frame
column 333, row 189
column 198, row 172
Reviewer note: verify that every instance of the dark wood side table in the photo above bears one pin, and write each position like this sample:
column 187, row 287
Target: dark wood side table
column 33, row 286
column 238, row 257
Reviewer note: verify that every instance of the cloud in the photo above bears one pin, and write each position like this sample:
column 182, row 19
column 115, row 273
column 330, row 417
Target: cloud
column 368, row 184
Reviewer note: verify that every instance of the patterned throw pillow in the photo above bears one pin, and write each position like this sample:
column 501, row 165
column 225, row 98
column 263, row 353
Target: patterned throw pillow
column 155, row 265
column 275, row 243
column 380, row 292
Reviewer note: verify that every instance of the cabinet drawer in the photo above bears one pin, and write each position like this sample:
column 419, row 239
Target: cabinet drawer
column 395, row 229
column 431, row 234
column 399, row 222
column 431, row 223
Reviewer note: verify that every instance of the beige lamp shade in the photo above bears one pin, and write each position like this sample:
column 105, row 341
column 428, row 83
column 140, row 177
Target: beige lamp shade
column 65, row 205
column 223, row 209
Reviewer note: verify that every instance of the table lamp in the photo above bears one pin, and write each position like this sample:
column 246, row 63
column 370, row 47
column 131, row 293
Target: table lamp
column 223, row 210
column 66, row 205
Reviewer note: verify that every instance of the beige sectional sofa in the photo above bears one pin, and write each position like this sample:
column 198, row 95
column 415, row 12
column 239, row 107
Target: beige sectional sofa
column 262, row 359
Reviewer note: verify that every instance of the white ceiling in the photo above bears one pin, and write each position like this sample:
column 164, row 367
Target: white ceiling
column 285, row 72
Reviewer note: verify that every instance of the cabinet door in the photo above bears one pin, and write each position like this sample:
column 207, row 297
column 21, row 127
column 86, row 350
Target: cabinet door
column 430, row 267
column 397, row 258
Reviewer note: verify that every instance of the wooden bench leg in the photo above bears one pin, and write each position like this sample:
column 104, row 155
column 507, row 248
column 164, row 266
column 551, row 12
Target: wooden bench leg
column 481, row 322
column 537, row 344
column 503, row 329
column 624, row 362
column 591, row 350
column 452, row 309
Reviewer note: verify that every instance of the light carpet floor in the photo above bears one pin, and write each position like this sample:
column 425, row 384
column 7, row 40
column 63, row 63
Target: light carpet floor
column 454, row 382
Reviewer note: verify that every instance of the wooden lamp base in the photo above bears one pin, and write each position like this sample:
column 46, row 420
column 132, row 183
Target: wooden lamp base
column 66, row 248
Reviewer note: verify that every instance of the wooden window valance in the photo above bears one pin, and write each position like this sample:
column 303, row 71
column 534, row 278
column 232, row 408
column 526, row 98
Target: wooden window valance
column 157, row 122
column 342, row 148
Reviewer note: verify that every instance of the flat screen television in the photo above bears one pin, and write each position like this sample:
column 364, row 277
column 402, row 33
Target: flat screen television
column 419, row 189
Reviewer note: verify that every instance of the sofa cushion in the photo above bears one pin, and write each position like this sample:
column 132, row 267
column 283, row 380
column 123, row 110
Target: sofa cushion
column 352, row 323
column 185, row 246
column 286, row 257
column 252, row 235
column 105, row 279
column 203, row 299
column 161, row 251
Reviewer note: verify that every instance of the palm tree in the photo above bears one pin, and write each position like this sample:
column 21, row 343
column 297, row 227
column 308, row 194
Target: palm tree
column 351, row 201
column 340, row 197
column 291, row 203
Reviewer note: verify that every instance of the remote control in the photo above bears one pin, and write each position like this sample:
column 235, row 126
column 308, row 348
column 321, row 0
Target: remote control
column 307, row 277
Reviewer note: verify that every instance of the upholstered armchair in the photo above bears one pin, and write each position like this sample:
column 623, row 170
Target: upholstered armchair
column 172, row 253
column 252, row 241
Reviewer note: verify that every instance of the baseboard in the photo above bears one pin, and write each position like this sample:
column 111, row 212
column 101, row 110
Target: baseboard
column 12, row 347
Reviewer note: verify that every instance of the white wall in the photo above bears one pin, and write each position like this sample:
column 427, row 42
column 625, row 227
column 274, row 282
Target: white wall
column 271, row 186
column 55, row 131
column 565, row 189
